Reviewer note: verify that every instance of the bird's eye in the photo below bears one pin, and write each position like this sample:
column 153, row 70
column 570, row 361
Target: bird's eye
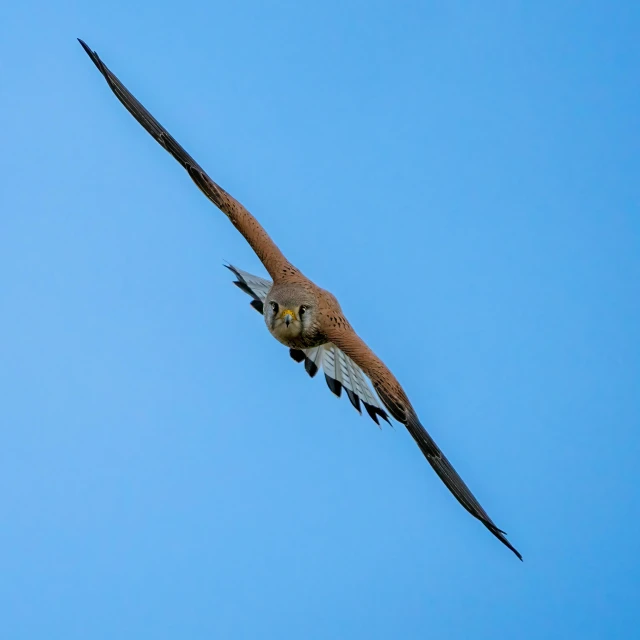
column 303, row 308
column 274, row 306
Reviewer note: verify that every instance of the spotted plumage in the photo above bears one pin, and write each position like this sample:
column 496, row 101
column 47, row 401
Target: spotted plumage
column 308, row 319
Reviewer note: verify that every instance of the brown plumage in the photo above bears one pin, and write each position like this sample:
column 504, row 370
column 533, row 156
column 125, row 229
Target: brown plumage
column 309, row 319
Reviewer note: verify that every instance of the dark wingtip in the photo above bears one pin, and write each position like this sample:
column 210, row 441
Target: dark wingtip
column 498, row 533
column 374, row 412
column 258, row 306
column 93, row 55
column 310, row 367
column 244, row 288
column 371, row 410
column 85, row 46
column 354, row 399
column 518, row 554
column 448, row 474
column 334, row 385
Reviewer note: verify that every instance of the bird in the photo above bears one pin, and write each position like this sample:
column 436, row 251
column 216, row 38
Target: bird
column 308, row 319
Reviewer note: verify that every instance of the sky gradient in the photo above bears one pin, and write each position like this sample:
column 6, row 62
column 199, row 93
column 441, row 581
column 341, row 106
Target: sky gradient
column 464, row 177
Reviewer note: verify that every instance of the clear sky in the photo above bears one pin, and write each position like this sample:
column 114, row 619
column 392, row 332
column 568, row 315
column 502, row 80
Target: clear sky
column 464, row 176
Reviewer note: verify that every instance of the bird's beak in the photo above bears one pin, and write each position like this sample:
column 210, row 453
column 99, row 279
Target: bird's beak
column 288, row 316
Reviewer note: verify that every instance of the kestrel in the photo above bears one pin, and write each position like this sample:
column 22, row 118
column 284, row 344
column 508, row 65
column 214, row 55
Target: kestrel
column 308, row 319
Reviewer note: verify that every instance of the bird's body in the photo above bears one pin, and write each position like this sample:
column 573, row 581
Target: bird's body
column 308, row 319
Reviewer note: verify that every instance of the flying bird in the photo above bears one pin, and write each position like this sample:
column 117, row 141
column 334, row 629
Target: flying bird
column 308, row 319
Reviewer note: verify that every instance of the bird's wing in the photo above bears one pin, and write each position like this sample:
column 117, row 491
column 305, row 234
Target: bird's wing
column 340, row 371
column 272, row 258
column 398, row 405
column 256, row 287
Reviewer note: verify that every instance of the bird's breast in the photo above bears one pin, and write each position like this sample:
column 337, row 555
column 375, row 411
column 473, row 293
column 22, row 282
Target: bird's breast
column 300, row 341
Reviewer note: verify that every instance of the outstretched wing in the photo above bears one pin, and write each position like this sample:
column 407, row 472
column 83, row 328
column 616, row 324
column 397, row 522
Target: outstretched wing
column 258, row 288
column 340, row 371
column 398, row 405
column 246, row 224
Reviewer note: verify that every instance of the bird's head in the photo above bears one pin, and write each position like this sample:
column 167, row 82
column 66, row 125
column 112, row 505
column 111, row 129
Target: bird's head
column 289, row 312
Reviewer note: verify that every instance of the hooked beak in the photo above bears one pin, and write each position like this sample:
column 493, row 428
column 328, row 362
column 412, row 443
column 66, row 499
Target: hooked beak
column 288, row 316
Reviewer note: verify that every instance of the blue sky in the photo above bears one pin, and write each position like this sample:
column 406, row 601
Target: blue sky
column 464, row 177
